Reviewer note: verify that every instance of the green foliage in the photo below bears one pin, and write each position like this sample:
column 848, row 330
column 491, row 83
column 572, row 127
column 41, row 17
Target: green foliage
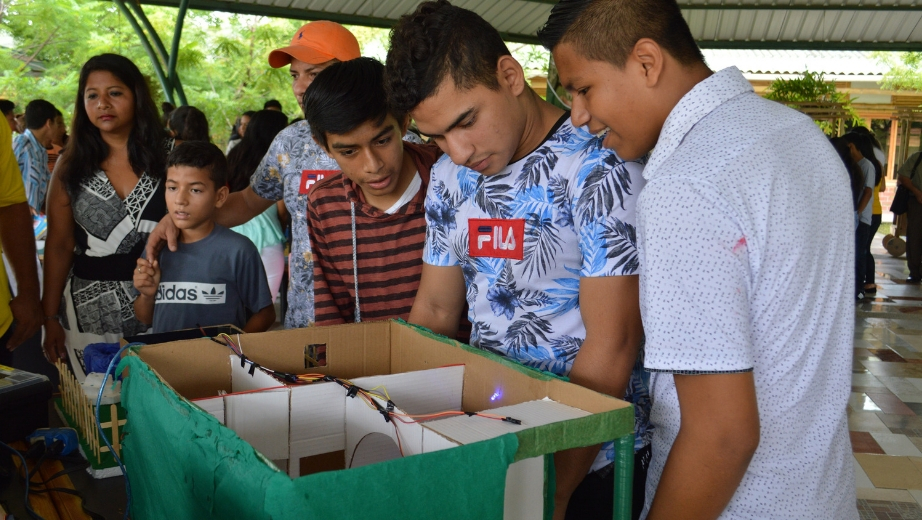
column 222, row 60
column 905, row 73
column 812, row 87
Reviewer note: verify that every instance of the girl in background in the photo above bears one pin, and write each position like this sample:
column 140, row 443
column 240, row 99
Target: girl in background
column 264, row 230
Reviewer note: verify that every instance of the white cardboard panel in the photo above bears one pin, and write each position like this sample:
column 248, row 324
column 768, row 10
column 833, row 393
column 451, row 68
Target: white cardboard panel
column 261, row 419
column 465, row 429
column 362, row 420
column 212, row 405
column 318, row 418
column 524, row 499
column 434, row 442
column 241, row 380
column 423, row 391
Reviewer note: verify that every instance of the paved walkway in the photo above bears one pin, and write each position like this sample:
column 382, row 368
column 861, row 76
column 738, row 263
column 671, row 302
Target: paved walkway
column 885, row 410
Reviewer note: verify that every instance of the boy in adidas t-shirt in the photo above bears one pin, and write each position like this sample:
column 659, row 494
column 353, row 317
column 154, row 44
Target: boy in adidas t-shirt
column 215, row 276
column 531, row 222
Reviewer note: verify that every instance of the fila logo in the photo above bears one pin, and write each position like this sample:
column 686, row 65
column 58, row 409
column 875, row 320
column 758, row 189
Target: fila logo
column 192, row 292
column 311, row 177
column 496, row 238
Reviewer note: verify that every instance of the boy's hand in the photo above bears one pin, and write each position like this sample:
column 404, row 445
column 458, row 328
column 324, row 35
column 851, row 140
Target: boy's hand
column 147, row 277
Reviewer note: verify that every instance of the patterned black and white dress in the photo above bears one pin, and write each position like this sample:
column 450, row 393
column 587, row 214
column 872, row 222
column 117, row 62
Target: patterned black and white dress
column 110, row 235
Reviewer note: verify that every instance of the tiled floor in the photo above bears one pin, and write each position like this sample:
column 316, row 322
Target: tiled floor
column 885, row 409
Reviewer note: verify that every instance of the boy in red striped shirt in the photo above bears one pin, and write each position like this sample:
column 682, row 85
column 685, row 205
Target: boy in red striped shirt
column 367, row 224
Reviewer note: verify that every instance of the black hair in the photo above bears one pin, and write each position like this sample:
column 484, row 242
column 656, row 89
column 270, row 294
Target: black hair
column 608, row 30
column 7, row 106
column 344, row 96
column 854, row 171
column 189, row 124
column 438, row 40
column 38, row 112
column 864, row 145
column 272, row 103
column 86, row 150
column 865, row 131
column 202, row 155
column 235, row 129
column 244, row 158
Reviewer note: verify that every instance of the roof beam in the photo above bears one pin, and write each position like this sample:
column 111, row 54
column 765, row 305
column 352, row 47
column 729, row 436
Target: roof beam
column 809, row 46
column 778, row 6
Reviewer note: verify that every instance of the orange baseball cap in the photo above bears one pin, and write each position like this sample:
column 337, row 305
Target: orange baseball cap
column 318, row 42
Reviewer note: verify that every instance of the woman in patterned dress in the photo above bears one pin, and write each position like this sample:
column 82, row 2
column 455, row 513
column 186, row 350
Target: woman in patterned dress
column 106, row 195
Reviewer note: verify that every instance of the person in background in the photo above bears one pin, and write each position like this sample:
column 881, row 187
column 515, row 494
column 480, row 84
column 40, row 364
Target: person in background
column 188, row 123
column 870, row 284
column 855, row 175
column 57, row 144
column 106, row 195
column 9, row 112
column 910, row 176
column 31, row 146
column 273, row 104
column 166, row 108
column 239, row 130
column 862, row 153
column 264, row 230
column 747, row 310
column 20, row 316
column 171, row 292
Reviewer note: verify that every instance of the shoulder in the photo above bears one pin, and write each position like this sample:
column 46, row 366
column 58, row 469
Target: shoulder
column 326, row 187
column 424, row 154
column 292, row 135
column 230, row 240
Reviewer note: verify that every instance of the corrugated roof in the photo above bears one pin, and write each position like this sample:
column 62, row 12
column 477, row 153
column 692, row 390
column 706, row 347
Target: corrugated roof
column 856, row 65
column 744, row 24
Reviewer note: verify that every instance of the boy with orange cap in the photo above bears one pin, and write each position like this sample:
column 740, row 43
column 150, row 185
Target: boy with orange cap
column 292, row 165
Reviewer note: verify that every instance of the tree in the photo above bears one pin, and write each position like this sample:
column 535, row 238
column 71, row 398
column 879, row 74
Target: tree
column 904, row 73
column 222, row 59
column 811, row 87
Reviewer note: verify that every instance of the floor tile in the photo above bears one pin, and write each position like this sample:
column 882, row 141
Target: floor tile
column 915, row 407
column 901, row 421
column 866, row 422
column 890, row 403
column 888, row 510
column 866, row 380
column 863, row 442
column 895, row 495
column 883, row 368
column 861, row 478
column 894, row 444
column 891, row 472
column 888, row 355
column 860, row 402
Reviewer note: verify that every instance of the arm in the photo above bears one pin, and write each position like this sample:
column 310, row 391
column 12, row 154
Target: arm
column 19, row 246
column 146, row 281
column 439, row 300
column 239, row 208
column 604, row 363
column 59, row 256
column 261, row 321
column 718, row 435
column 865, row 197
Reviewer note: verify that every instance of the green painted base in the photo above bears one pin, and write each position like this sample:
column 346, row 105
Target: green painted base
column 99, row 468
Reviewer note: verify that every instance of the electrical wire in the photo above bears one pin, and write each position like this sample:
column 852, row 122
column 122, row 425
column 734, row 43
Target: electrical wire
column 25, row 469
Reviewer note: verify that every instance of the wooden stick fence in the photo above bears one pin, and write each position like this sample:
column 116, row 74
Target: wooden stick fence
column 82, row 411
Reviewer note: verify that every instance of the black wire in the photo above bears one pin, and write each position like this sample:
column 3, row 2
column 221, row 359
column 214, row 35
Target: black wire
column 25, row 469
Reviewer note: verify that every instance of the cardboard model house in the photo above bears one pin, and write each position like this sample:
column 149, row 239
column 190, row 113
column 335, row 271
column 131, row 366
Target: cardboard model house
column 318, row 434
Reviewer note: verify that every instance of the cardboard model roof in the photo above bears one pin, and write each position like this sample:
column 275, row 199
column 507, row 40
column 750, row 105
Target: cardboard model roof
column 742, row 24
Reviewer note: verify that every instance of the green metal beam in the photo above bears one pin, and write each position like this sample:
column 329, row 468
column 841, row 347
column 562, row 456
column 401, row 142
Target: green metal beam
column 174, row 52
column 155, row 62
column 777, row 6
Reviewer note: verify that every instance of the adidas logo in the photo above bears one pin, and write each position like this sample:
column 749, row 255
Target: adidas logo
column 191, row 292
